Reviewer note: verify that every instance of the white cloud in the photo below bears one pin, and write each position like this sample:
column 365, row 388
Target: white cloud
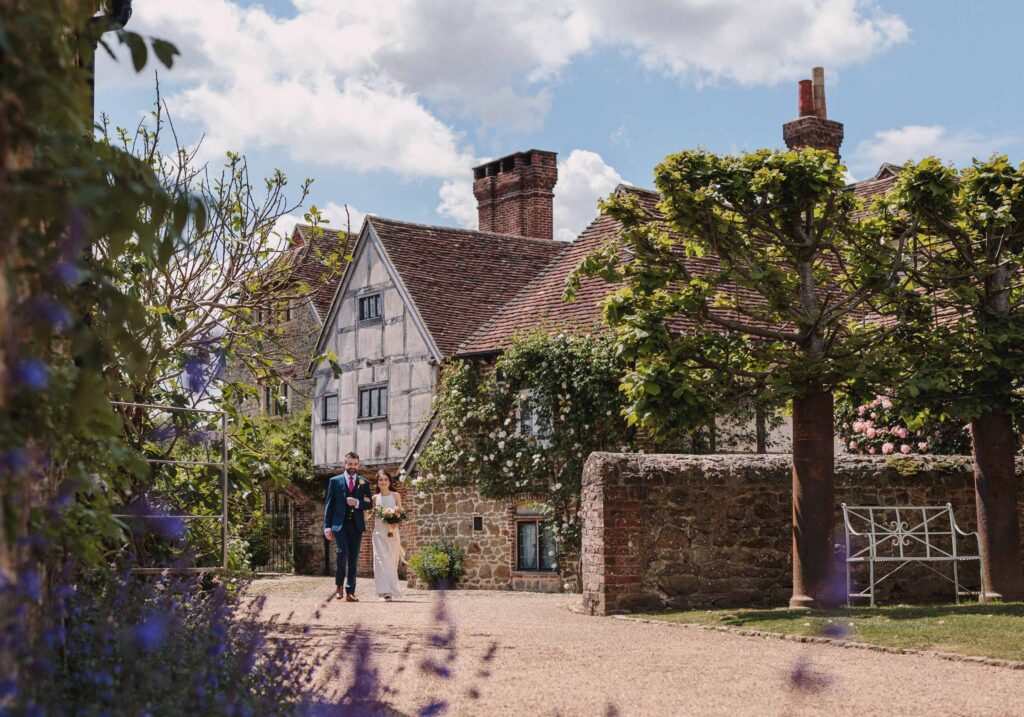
column 458, row 202
column 583, row 178
column 919, row 141
column 367, row 85
column 748, row 42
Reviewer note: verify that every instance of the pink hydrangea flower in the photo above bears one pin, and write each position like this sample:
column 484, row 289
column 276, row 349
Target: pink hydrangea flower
column 887, row 448
column 862, row 410
column 922, row 445
column 902, row 432
column 904, row 449
column 871, row 450
column 853, row 445
column 858, row 426
column 871, row 432
column 874, row 415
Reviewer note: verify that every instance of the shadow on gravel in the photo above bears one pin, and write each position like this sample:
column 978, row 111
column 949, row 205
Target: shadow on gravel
column 354, row 686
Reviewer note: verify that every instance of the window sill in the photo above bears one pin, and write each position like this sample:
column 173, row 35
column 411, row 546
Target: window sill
column 371, row 322
column 535, row 574
column 328, row 423
column 371, row 419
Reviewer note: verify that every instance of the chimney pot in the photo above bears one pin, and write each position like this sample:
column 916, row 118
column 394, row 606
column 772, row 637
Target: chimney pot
column 813, row 128
column 806, row 98
column 818, row 73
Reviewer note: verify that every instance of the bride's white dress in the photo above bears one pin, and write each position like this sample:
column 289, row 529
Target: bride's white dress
column 387, row 552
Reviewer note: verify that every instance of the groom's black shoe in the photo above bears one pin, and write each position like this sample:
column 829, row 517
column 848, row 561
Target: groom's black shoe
column 339, row 594
column 349, row 597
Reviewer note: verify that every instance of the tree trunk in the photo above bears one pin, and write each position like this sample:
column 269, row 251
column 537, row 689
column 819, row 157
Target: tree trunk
column 813, row 499
column 995, row 492
column 760, row 429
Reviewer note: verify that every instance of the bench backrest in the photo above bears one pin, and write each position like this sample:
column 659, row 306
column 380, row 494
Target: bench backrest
column 927, row 532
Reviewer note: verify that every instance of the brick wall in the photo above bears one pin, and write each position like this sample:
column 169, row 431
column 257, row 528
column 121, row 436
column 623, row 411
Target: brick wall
column 515, row 194
column 700, row 531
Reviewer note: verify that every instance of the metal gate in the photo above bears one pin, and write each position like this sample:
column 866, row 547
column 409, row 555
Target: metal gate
column 273, row 549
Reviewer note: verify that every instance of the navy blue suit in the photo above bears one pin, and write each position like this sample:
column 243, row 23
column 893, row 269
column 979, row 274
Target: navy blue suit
column 348, row 523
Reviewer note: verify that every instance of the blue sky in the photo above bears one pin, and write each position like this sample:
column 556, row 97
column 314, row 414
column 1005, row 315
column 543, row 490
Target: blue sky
column 386, row 105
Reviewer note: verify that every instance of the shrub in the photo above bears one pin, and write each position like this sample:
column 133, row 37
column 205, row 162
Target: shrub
column 875, row 428
column 124, row 644
column 438, row 564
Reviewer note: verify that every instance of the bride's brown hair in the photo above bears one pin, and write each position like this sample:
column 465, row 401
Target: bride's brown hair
column 392, row 481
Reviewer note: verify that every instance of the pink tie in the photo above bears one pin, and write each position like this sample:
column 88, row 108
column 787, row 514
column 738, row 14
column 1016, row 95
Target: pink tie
column 351, row 485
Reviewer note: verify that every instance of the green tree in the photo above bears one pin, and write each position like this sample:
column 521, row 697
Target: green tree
column 66, row 318
column 749, row 288
column 964, row 353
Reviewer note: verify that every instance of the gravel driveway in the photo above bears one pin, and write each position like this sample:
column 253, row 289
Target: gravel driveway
column 501, row 653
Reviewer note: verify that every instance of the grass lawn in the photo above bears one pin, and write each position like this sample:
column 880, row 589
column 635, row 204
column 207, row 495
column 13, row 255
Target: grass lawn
column 982, row 630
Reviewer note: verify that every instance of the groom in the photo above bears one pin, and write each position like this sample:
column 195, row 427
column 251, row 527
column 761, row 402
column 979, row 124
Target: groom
column 348, row 495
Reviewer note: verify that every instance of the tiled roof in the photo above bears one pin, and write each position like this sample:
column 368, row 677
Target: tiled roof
column 458, row 278
column 314, row 263
column 541, row 303
column 870, row 189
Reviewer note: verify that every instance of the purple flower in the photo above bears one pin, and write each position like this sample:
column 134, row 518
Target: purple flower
column 434, row 708
column 33, row 374
column 195, row 374
column 151, row 632
column 835, row 630
column 804, row 677
column 28, row 581
column 67, row 273
column 13, row 460
column 52, row 312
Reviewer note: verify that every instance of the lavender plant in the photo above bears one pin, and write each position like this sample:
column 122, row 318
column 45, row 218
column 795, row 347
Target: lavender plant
column 118, row 644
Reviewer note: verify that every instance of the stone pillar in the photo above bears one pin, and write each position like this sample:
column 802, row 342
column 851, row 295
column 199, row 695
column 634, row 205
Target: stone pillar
column 612, row 573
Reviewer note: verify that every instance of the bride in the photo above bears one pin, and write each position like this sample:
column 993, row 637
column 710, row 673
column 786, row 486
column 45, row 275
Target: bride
column 387, row 551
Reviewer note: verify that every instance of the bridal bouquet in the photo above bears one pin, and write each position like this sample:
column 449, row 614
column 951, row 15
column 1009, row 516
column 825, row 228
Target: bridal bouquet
column 391, row 516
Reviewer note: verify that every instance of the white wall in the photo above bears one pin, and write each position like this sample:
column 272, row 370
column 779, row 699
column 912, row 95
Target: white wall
column 393, row 350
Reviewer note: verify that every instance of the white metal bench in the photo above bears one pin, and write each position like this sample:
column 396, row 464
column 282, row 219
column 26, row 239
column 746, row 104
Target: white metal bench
column 897, row 536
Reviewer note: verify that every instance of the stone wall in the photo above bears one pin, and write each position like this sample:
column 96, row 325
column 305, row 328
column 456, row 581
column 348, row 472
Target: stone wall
column 701, row 531
column 490, row 552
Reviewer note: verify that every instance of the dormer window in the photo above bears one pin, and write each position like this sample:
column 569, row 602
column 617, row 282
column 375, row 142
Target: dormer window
column 369, row 307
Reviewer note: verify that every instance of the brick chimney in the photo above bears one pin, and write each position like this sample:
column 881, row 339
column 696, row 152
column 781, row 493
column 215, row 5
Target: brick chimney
column 813, row 128
column 515, row 194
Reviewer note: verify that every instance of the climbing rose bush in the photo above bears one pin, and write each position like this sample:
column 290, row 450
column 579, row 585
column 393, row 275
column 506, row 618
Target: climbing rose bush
column 876, row 428
column 525, row 425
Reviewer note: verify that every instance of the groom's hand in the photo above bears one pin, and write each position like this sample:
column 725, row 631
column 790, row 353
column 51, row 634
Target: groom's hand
column 353, row 502
column 328, row 533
